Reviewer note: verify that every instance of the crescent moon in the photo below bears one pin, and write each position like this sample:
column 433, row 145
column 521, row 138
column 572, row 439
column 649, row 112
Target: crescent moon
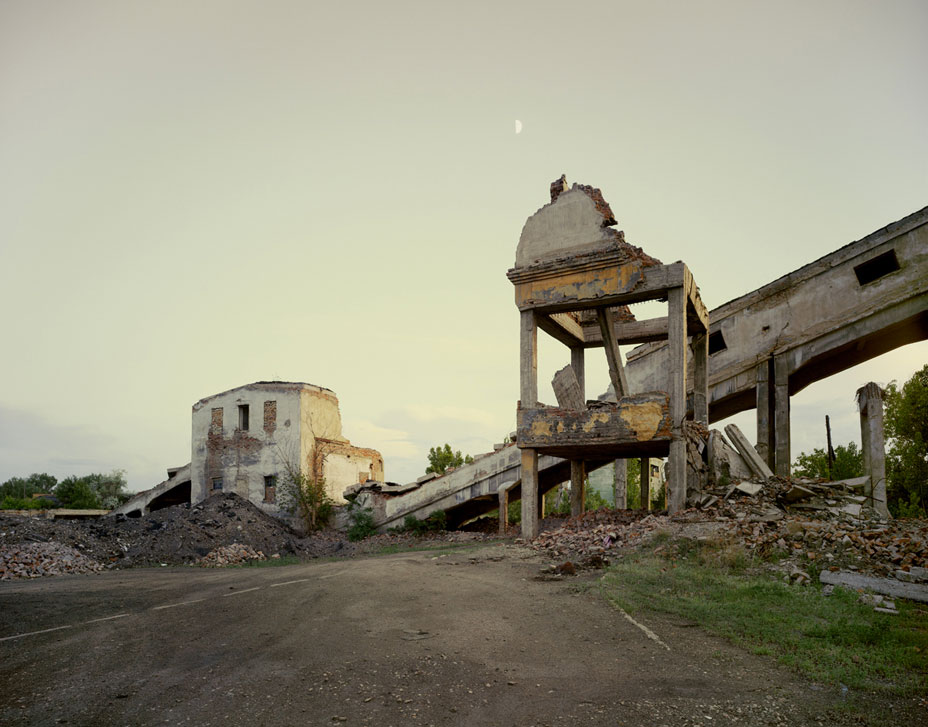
column 518, row 126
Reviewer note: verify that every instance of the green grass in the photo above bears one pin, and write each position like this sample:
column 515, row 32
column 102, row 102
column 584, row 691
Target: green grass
column 833, row 640
column 440, row 548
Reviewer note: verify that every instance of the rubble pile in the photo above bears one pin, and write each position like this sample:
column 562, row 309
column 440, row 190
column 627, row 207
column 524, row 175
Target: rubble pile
column 234, row 554
column 33, row 560
column 177, row 535
column 596, row 532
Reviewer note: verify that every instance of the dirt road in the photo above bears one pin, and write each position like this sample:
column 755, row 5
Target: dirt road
column 464, row 637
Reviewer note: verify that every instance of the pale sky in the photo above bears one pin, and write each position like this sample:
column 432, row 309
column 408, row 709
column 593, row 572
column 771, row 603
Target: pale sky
column 197, row 195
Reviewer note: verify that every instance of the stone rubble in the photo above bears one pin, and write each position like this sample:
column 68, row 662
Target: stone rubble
column 234, row 554
column 34, row 560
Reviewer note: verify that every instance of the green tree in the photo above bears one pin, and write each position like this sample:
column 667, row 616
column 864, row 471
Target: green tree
column 77, row 493
column 441, row 458
column 849, row 462
column 906, row 429
column 25, row 487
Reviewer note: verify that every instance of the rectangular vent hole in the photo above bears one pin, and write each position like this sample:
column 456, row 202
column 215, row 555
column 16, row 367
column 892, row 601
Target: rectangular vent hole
column 716, row 343
column 876, row 268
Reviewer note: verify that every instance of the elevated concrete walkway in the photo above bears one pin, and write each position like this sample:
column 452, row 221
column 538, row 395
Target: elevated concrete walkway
column 175, row 490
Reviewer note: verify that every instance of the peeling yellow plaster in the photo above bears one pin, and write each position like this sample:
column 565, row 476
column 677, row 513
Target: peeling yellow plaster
column 598, row 418
column 541, row 428
column 643, row 419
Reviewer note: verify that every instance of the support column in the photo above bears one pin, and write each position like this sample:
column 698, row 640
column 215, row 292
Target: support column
column 577, row 487
column 503, row 496
column 577, row 363
column 870, row 403
column 676, row 347
column 764, row 413
column 644, row 483
column 528, row 388
column 781, row 414
column 529, row 494
column 620, row 484
column 701, row 378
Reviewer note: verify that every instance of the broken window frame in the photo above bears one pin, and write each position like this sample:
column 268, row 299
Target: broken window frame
column 217, row 484
column 243, row 417
column 270, row 489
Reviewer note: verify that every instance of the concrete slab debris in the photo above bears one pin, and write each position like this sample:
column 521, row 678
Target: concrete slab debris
column 886, row 586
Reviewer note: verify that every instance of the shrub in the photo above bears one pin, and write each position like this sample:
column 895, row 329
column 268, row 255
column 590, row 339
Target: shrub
column 362, row 522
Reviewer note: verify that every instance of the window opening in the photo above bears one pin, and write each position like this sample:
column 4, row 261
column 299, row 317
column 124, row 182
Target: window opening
column 217, row 483
column 243, row 417
column 878, row 267
column 716, row 343
column 270, row 488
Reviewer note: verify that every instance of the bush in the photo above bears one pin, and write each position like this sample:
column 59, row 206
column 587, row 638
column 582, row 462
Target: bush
column 435, row 522
column 362, row 523
column 306, row 497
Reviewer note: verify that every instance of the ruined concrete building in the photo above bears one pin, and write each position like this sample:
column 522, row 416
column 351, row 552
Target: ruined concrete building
column 247, row 439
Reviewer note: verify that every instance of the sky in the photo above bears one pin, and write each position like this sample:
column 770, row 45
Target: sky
column 197, row 195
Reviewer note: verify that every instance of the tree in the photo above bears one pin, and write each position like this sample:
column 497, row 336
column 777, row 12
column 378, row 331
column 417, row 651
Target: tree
column 906, row 429
column 849, row 462
column 441, row 458
column 26, row 487
column 77, row 493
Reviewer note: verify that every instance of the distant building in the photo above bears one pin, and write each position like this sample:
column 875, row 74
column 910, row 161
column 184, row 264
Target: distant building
column 245, row 441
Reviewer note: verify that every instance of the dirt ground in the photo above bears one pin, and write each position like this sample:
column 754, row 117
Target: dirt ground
column 453, row 637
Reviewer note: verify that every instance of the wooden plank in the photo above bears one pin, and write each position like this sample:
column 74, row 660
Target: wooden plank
column 567, row 389
column 613, row 356
column 562, row 327
column 529, row 494
column 528, row 359
column 577, row 487
column 628, row 332
column 747, row 452
column 676, row 345
column 697, row 315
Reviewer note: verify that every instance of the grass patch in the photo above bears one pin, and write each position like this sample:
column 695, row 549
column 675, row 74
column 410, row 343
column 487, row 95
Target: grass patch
column 833, row 640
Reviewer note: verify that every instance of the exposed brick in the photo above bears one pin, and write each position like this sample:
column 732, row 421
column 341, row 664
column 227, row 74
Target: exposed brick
column 270, row 416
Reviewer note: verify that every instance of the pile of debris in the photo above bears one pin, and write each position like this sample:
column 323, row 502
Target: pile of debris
column 234, row 554
column 597, row 532
column 34, row 560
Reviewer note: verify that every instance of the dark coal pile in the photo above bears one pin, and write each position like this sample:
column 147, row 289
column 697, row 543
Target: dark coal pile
column 176, row 536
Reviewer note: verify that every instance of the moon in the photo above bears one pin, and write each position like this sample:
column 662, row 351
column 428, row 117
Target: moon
column 518, row 126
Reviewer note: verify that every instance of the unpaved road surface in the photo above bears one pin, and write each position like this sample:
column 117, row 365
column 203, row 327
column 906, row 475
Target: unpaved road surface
column 464, row 637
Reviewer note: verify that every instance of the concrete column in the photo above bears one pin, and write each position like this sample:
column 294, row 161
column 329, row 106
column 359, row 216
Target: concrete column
column 528, row 360
column 529, row 494
column 870, row 403
column 701, row 378
column 577, row 363
column 644, row 483
column 577, row 487
column 620, row 486
column 503, row 495
column 676, row 347
column 764, row 413
column 781, row 413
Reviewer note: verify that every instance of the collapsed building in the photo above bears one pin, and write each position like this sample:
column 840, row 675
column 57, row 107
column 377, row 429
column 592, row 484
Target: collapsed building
column 248, row 439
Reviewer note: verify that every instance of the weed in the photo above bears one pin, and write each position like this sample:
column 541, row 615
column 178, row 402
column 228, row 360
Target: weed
column 362, row 522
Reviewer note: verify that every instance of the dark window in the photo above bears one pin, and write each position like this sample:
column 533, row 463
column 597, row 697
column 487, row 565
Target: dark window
column 716, row 343
column 270, row 488
column 243, row 417
column 217, row 483
column 876, row 268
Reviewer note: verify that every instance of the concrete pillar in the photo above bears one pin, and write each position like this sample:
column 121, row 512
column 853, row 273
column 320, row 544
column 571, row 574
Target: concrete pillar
column 781, row 413
column 676, row 347
column 870, row 404
column 620, row 486
column 503, row 496
column 529, row 494
column 578, row 364
column 764, row 413
column 644, row 486
column 577, row 487
column 701, row 378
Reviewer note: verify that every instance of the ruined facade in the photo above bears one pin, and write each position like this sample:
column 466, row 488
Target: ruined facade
column 246, row 439
column 574, row 278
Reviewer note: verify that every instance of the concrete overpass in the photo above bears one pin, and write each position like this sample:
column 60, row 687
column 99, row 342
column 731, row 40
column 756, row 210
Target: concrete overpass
column 847, row 307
